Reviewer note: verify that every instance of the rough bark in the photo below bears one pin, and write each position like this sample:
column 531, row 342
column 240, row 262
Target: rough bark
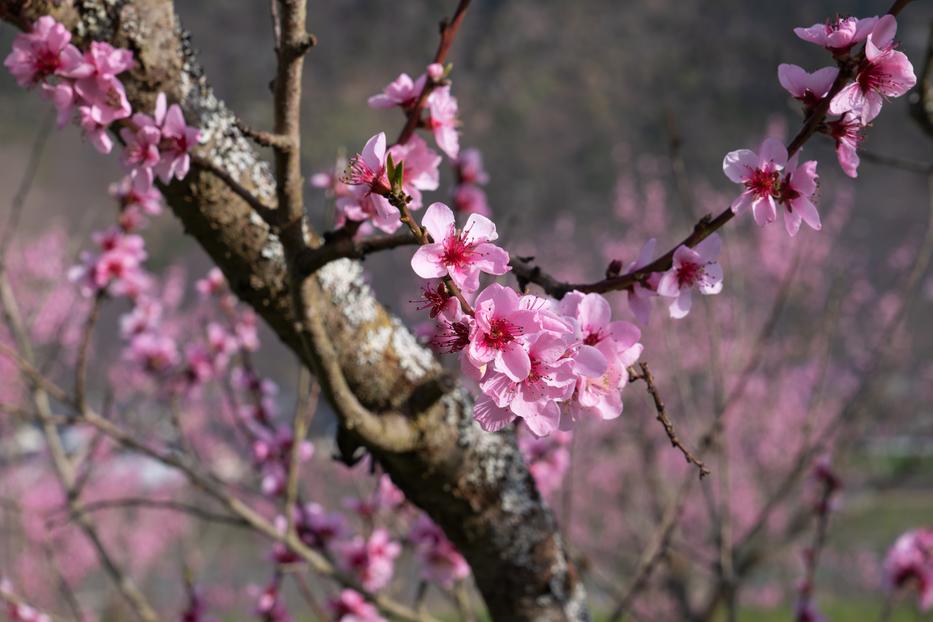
column 473, row 484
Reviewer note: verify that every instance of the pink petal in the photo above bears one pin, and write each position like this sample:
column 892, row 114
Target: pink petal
column 668, row 285
column 712, row 284
column 491, row 417
column 479, row 229
column 439, row 221
column 594, row 313
column 773, row 150
column 589, row 362
column 680, row 306
column 427, row 261
column 883, row 33
column 793, row 79
column 514, row 363
column 709, row 249
column 849, row 98
column 545, row 420
column 738, row 164
column 374, row 152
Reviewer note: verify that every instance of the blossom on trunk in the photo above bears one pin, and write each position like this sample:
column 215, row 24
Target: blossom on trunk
column 847, row 133
column 44, row 51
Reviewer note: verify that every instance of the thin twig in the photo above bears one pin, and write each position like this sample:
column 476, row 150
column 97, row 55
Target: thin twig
column 643, row 373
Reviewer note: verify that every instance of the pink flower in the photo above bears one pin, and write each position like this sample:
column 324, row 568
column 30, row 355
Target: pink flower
column 105, row 97
column 499, row 326
column 759, row 173
column 796, row 191
column 106, row 62
column 443, row 121
column 435, row 71
column 176, row 139
column 329, row 180
column 534, row 397
column 640, row 294
column 885, row 72
column 371, row 560
column 440, row 561
column 141, row 149
column 838, row 35
column 95, row 129
column 212, row 284
column 366, row 175
column 350, row 606
column 910, row 561
column 154, row 352
column 145, row 316
column 403, row 91
column 547, row 457
column 462, row 254
column 809, row 88
column 470, row 168
column 592, row 317
column 117, row 264
column 64, row 98
column 471, row 199
column 693, row 267
column 452, row 333
column 43, row 52
column 420, row 170
column 318, row 527
column 133, row 193
column 271, row 606
column 847, row 132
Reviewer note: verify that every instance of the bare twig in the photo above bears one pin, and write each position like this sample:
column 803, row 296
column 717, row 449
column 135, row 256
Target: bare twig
column 161, row 504
column 307, row 405
column 643, row 373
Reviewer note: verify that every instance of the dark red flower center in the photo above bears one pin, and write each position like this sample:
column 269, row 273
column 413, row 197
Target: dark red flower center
column 761, row 183
column 501, row 333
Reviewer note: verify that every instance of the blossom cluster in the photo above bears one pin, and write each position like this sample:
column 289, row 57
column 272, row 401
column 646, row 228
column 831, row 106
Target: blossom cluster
column 774, row 182
column 85, row 86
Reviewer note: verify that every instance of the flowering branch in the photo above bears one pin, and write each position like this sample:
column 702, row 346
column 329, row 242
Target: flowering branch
column 448, row 30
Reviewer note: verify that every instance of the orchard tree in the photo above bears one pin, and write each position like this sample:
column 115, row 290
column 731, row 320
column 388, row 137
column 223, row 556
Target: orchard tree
column 466, row 423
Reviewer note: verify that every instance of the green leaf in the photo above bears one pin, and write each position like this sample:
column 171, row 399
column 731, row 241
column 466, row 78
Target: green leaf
column 398, row 177
column 390, row 167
